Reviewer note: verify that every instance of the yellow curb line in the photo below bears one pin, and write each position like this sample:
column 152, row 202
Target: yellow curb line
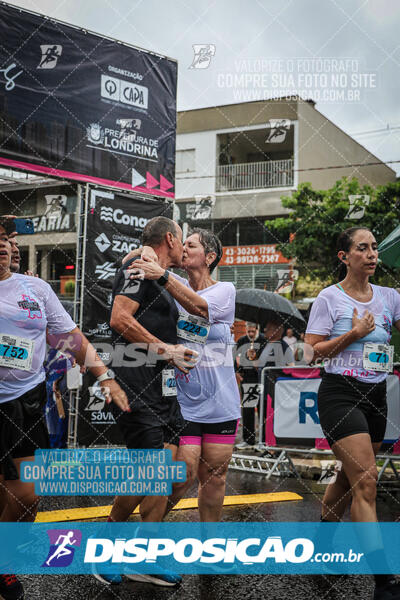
column 98, row 512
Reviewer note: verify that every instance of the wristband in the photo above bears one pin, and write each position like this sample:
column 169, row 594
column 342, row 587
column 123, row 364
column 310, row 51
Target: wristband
column 163, row 279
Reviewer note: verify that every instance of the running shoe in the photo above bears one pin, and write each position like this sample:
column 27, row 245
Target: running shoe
column 166, row 579
column 389, row 591
column 11, row 588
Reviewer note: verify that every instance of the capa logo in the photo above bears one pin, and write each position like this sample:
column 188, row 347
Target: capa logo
column 124, row 92
column 107, row 213
column 62, row 547
column 190, row 550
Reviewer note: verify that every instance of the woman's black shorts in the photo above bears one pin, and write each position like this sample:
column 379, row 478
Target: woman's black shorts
column 347, row 406
column 22, row 428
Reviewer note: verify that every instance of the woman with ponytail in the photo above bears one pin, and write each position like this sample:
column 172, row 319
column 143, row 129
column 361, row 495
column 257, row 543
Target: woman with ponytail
column 350, row 328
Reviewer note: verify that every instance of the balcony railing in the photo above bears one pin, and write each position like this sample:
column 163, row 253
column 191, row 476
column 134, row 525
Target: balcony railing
column 250, row 176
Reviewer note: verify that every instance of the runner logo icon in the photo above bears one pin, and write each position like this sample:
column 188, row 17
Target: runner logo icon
column 203, row 54
column 97, row 400
column 278, row 129
column 251, row 394
column 62, row 547
column 50, row 55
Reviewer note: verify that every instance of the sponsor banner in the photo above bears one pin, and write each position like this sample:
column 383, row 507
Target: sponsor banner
column 76, row 105
column 114, row 227
column 262, row 254
column 296, row 409
column 191, row 548
column 199, row 210
column 115, row 224
column 51, row 209
column 47, row 223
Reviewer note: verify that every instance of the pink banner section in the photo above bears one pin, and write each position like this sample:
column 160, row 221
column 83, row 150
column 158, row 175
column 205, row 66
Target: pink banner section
column 51, row 172
column 270, row 439
column 303, row 373
column 322, row 444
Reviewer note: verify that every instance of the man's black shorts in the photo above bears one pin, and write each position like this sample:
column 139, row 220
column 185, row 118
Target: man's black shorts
column 151, row 426
column 347, row 406
column 22, row 427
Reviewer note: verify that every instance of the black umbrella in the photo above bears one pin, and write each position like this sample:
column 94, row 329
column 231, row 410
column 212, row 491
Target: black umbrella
column 260, row 306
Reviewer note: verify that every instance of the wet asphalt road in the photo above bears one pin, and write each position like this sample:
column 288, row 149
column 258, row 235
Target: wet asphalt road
column 214, row 587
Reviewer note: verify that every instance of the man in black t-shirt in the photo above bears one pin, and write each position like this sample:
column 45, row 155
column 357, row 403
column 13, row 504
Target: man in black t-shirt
column 143, row 321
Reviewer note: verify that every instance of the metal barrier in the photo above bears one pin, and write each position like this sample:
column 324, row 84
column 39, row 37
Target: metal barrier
column 280, row 463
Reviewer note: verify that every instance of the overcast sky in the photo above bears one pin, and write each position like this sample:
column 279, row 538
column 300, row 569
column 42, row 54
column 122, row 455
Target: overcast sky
column 249, row 35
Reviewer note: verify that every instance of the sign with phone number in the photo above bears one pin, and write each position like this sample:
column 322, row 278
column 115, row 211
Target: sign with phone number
column 252, row 255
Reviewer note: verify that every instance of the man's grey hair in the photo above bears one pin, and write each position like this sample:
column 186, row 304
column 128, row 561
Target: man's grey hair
column 156, row 229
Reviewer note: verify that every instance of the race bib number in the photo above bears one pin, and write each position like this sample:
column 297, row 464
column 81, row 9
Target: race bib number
column 16, row 352
column 378, row 357
column 251, row 394
column 193, row 329
column 168, row 382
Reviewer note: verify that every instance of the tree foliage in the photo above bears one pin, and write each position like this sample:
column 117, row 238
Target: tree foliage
column 317, row 217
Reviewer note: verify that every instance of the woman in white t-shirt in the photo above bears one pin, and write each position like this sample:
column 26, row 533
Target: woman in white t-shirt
column 208, row 395
column 30, row 311
column 350, row 327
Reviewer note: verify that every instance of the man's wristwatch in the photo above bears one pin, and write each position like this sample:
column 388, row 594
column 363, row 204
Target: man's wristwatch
column 164, row 278
column 109, row 374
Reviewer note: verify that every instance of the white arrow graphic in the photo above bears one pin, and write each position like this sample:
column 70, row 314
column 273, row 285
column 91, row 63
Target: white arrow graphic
column 137, row 178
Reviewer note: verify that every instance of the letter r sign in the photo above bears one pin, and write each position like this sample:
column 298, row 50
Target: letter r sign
column 308, row 406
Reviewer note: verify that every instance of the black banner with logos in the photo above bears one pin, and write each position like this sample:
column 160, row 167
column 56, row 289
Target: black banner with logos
column 80, row 106
column 115, row 224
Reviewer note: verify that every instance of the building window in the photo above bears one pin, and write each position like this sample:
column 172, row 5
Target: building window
column 21, row 203
column 246, row 232
column 253, row 231
column 262, row 277
column 227, row 232
column 185, row 161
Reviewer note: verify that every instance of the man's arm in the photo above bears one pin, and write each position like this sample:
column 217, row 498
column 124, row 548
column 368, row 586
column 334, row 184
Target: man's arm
column 124, row 322
column 192, row 302
column 75, row 343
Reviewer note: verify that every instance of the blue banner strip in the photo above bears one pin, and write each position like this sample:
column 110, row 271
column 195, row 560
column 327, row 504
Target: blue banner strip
column 189, row 548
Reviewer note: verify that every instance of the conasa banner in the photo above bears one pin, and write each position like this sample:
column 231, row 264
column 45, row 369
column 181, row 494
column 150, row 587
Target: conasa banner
column 115, row 224
column 80, row 106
